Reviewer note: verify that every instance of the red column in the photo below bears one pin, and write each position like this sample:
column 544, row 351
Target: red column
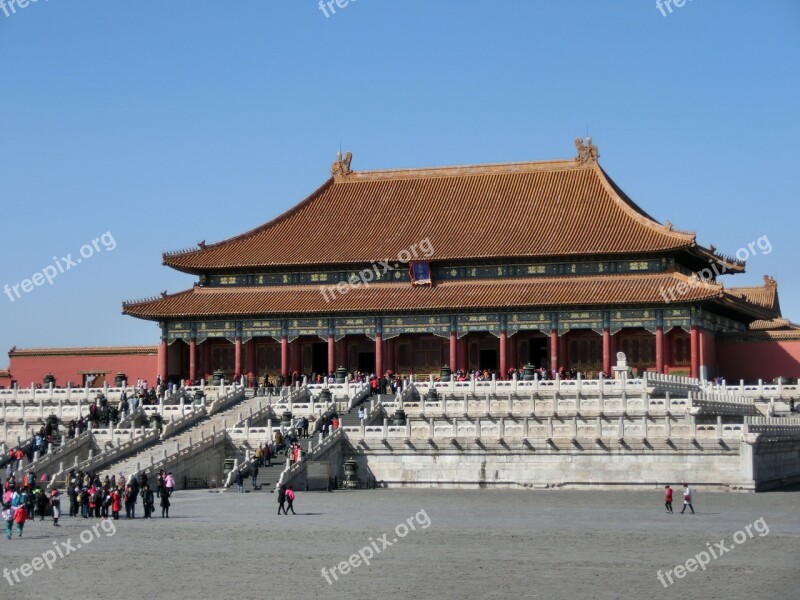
column 162, row 360
column 378, row 354
column 607, row 352
column 237, row 356
column 554, row 349
column 659, row 349
column 463, row 362
column 285, row 356
column 693, row 341
column 503, row 354
column 453, row 351
column 193, row 359
column 562, row 350
column 331, row 354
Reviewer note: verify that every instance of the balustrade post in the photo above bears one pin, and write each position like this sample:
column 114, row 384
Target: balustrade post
column 363, row 428
column 431, row 428
column 549, row 428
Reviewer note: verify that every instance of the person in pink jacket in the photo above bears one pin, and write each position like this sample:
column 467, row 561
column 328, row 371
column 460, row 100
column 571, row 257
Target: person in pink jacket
column 169, row 484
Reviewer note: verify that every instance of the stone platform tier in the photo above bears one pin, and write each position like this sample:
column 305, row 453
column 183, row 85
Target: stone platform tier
column 602, row 453
column 620, row 403
column 21, row 418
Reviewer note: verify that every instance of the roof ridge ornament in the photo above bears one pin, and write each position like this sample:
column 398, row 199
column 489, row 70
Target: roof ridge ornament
column 586, row 151
column 341, row 166
column 770, row 281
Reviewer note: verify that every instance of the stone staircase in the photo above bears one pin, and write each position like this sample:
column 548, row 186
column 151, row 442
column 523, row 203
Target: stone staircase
column 350, row 418
column 203, row 429
column 268, row 476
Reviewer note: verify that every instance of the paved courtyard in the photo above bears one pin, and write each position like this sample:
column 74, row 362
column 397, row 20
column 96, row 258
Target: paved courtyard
column 463, row 544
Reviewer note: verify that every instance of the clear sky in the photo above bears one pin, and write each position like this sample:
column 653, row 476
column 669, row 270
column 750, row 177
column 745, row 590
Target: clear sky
column 161, row 124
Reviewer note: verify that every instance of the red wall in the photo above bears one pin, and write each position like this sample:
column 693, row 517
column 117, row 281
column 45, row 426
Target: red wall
column 753, row 360
column 32, row 369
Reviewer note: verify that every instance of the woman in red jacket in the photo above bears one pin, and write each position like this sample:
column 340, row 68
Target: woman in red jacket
column 20, row 517
column 115, row 504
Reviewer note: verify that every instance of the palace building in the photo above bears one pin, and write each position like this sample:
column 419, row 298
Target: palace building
column 477, row 267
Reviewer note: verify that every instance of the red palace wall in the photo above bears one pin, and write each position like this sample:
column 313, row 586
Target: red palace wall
column 751, row 360
column 70, row 365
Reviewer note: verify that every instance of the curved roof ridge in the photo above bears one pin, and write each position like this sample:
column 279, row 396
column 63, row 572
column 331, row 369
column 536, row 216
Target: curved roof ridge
column 460, row 170
column 637, row 212
column 272, row 222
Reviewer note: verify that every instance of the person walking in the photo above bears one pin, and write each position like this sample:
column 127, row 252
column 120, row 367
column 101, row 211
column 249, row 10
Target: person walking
column 282, row 499
column 147, row 501
column 668, row 498
column 289, row 500
column 239, row 481
column 254, row 475
column 165, row 506
column 8, row 517
column 20, row 517
column 55, row 503
column 687, row 498
column 115, row 504
column 169, row 483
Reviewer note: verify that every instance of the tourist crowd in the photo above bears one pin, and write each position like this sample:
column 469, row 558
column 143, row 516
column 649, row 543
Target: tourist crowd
column 90, row 496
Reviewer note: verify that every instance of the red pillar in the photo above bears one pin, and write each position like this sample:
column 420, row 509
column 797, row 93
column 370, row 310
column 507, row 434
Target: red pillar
column 237, row 360
column 193, row 359
column 607, row 352
column 378, row 355
column 331, row 354
column 463, row 362
column 659, row 349
column 503, row 354
column 562, row 350
column 453, row 351
column 285, row 356
column 695, row 354
column 162, row 360
column 554, row 349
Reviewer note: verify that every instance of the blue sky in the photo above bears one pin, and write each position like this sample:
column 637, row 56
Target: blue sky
column 166, row 123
